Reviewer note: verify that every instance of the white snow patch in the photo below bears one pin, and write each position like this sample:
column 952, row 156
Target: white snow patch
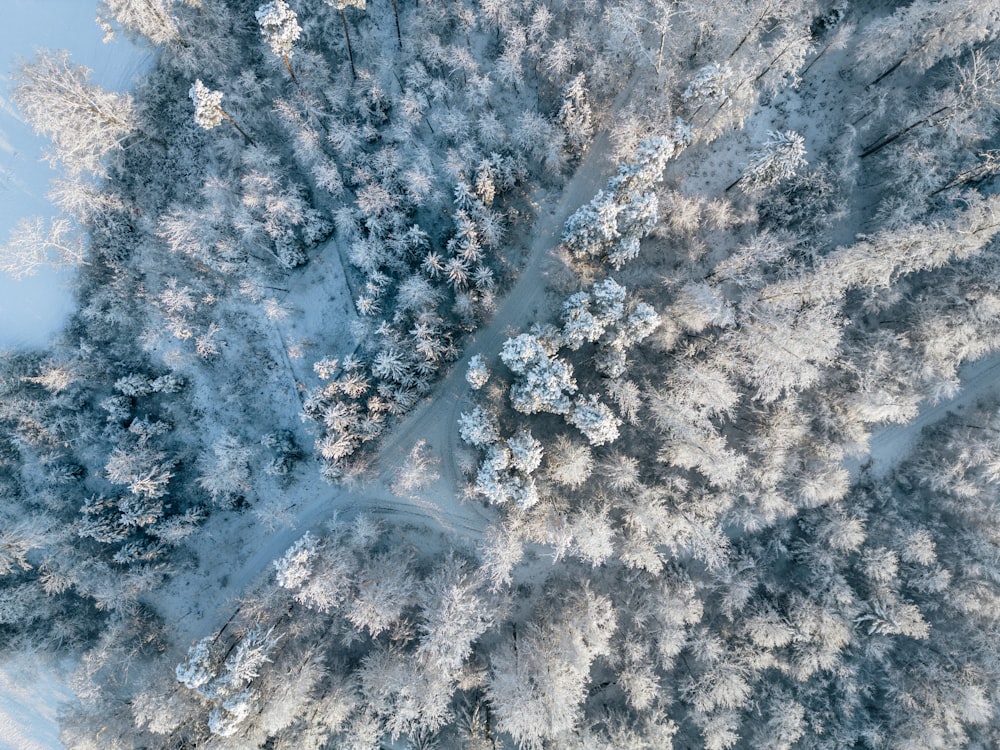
column 32, row 310
column 30, row 695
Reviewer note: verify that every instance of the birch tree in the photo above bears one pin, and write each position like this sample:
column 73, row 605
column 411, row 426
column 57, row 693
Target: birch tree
column 83, row 121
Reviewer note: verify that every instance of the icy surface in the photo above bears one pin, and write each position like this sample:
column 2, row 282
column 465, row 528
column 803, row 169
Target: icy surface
column 32, row 310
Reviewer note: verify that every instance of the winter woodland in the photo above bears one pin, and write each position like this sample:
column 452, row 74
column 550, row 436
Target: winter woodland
column 475, row 374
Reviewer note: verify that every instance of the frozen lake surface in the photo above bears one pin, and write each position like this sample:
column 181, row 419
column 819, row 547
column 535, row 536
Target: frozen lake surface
column 33, row 309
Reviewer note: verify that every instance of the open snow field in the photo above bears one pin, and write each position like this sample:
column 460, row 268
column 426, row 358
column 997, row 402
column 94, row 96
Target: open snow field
column 30, row 693
column 33, row 309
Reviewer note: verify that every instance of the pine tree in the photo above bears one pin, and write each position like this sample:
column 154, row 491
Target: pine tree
column 208, row 111
column 280, row 28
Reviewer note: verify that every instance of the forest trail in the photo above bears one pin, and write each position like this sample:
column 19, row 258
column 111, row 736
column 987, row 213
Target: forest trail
column 251, row 546
column 435, row 419
column 890, row 445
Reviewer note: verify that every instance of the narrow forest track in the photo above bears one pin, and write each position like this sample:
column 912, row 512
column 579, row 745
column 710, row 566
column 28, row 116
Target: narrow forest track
column 891, row 444
column 435, row 419
column 245, row 547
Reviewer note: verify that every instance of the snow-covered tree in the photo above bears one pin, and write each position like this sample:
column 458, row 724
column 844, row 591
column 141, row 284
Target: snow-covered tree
column 84, row 122
column 295, row 566
column 200, row 668
column 575, row 115
column 713, row 81
column 595, row 420
column 279, row 25
column 611, row 226
column 477, row 373
column 35, row 243
column 478, row 427
column 208, row 111
column 544, row 382
column 525, row 451
column 153, row 19
column 225, row 472
column 782, row 155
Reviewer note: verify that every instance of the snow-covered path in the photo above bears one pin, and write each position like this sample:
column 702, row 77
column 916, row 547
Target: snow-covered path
column 891, row 444
column 242, row 547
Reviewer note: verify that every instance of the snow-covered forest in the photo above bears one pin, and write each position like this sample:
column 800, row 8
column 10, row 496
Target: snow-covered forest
column 516, row 374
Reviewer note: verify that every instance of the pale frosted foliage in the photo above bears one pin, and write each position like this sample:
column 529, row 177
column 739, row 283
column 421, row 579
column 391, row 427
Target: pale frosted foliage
column 150, row 18
column 700, row 305
column 249, row 657
column 224, row 720
column 595, row 420
column 19, row 538
column 924, row 32
column 500, row 482
column 616, row 219
column 478, row 374
column 569, row 463
column 295, row 566
column 545, row 382
column 478, row 427
column 453, row 616
column 579, row 323
column 575, row 116
column 785, row 350
column 199, row 670
column 342, row 4
column 144, row 471
column 226, row 470
column 207, row 105
column 781, row 157
column 500, row 553
column 35, row 243
column 710, row 82
column 525, row 452
column 593, row 536
column 83, row 121
column 279, row 25
column 417, row 471
column 384, row 589
column 536, row 689
column 889, row 616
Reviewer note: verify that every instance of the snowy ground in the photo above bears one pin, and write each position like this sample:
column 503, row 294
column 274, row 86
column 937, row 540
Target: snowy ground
column 30, row 693
column 32, row 310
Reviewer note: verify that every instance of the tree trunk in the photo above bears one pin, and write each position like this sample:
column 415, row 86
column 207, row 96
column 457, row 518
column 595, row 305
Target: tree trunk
column 288, row 65
column 350, row 52
column 399, row 36
column 879, row 145
column 233, row 122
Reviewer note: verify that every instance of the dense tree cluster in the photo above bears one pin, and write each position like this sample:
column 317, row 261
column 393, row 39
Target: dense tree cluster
column 679, row 543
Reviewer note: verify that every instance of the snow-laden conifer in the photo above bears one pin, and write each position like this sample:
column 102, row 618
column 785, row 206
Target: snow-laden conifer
column 478, row 427
column 279, row 25
column 478, row 373
column 208, row 111
column 595, row 420
column 781, row 156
